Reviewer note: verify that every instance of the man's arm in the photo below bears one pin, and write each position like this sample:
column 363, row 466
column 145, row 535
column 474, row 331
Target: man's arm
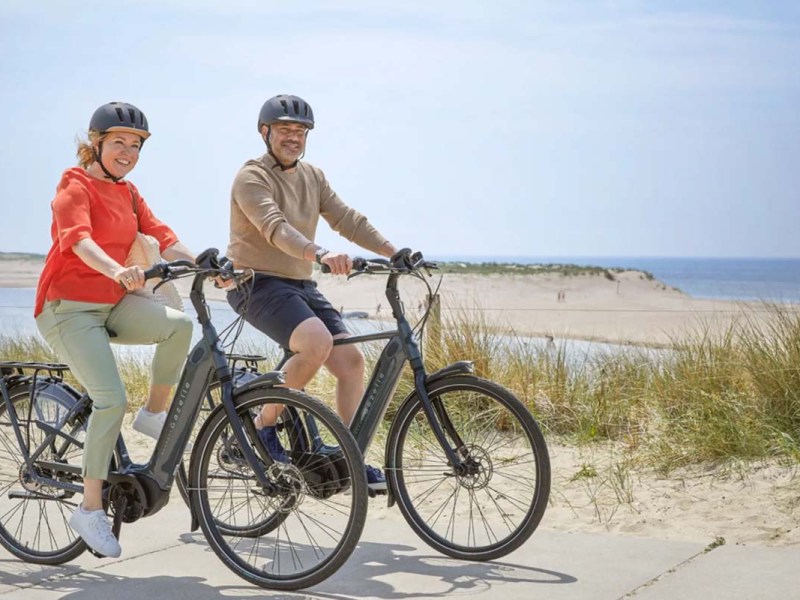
column 387, row 249
column 290, row 241
column 349, row 223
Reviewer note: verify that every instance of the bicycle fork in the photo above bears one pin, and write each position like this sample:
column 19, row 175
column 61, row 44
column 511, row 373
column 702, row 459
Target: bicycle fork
column 434, row 409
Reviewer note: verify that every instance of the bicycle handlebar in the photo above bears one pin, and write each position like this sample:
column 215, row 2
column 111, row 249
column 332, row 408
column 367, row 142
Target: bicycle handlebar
column 163, row 270
column 207, row 263
column 403, row 261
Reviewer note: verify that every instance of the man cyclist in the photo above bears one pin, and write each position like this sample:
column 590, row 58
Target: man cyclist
column 276, row 203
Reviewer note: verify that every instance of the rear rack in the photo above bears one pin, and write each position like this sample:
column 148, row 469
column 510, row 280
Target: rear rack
column 11, row 367
column 249, row 361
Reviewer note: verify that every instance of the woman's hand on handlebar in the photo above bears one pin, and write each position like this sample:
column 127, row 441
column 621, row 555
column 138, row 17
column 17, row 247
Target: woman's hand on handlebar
column 131, row 278
column 339, row 263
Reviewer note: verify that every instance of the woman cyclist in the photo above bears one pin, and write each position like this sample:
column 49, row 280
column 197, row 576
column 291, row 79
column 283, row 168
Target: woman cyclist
column 82, row 305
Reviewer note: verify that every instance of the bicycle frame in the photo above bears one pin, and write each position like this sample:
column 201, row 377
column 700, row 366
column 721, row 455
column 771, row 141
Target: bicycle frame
column 399, row 349
column 153, row 480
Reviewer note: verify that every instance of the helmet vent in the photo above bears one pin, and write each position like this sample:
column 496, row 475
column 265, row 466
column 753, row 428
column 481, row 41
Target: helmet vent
column 285, row 106
column 120, row 114
column 296, row 106
column 132, row 114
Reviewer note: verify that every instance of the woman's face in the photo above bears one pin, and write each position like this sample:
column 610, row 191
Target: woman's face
column 120, row 152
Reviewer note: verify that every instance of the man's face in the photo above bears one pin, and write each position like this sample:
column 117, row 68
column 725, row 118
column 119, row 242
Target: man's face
column 288, row 141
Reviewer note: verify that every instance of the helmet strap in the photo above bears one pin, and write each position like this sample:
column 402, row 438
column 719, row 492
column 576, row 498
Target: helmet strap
column 278, row 163
column 98, row 155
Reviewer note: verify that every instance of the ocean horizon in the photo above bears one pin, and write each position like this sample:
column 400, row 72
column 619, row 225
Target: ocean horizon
column 723, row 278
column 768, row 279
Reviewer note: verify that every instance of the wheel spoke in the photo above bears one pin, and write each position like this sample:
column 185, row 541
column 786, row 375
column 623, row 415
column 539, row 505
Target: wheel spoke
column 35, row 523
column 297, row 531
column 493, row 501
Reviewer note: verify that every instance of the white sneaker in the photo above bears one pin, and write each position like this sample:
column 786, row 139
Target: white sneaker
column 149, row 423
column 95, row 529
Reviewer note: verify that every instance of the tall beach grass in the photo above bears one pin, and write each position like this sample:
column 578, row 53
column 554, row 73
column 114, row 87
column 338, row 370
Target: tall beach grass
column 711, row 398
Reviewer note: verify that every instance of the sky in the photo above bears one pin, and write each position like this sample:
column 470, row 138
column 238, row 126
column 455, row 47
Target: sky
column 459, row 127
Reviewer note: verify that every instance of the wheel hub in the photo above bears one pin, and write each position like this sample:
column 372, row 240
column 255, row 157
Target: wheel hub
column 289, row 482
column 26, row 478
column 477, row 468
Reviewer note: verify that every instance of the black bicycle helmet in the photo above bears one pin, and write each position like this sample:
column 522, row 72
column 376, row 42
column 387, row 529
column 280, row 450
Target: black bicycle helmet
column 286, row 108
column 120, row 116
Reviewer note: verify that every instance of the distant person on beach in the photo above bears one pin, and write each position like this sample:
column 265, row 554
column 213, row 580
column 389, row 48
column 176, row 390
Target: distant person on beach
column 82, row 304
column 276, row 203
column 550, row 345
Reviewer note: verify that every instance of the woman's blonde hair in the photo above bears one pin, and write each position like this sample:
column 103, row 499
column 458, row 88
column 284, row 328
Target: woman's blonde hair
column 86, row 152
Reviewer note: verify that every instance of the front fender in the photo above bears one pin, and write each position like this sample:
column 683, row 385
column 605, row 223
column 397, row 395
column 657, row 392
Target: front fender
column 462, row 367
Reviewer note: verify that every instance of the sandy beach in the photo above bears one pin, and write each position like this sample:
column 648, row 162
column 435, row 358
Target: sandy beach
column 630, row 309
column 755, row 504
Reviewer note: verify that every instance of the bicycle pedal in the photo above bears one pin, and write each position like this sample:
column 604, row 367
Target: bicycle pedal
column 376, row 493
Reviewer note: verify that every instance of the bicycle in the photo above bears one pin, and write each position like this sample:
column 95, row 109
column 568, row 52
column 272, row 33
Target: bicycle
column 273, row 524
column 465, row 461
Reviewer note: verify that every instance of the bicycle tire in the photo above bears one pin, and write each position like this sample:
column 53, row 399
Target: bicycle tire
column 314, row 536
column 34, row 519
column 491, row 511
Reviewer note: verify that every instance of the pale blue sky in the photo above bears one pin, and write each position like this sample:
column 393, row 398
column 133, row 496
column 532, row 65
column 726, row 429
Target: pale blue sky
column 496, row 127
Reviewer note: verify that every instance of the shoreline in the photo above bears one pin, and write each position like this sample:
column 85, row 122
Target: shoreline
column 629, row 309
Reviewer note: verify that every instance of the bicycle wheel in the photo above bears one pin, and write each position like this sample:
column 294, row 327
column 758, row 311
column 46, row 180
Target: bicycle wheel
column 34, row 518
column 496, row 504
column 297, row 534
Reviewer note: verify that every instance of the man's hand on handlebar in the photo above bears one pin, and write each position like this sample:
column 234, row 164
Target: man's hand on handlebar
column 338, row 263
column 404, row 261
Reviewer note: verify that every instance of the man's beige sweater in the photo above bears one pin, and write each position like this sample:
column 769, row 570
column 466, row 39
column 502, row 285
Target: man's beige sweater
column 263, row 197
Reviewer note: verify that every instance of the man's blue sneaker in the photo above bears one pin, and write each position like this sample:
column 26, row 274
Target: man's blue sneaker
column 375, row 479
column 269, row 437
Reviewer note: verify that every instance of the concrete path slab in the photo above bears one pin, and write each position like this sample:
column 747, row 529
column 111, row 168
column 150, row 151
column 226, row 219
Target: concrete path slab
column 731, row 573
column 161, row 560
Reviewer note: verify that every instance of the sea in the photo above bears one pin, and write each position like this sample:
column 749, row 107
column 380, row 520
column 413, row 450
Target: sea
column 767, row 279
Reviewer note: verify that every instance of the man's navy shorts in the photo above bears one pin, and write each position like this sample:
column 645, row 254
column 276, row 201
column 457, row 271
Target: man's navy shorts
column 278, row 305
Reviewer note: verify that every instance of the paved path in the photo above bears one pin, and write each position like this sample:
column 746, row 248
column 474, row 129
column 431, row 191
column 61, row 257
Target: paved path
column 161, row 560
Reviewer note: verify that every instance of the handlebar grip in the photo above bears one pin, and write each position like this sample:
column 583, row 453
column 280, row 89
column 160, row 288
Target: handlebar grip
column 208, row 259
column 162, row 270
column 359, row 264
column 157, row 271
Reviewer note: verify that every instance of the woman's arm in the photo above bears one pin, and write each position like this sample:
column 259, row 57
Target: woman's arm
column 95, row 257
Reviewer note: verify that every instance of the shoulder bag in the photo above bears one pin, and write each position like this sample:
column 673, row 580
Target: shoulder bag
column 145, row 253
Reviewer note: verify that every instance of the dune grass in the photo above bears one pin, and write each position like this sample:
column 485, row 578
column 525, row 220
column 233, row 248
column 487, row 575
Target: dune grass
column 725, row 398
